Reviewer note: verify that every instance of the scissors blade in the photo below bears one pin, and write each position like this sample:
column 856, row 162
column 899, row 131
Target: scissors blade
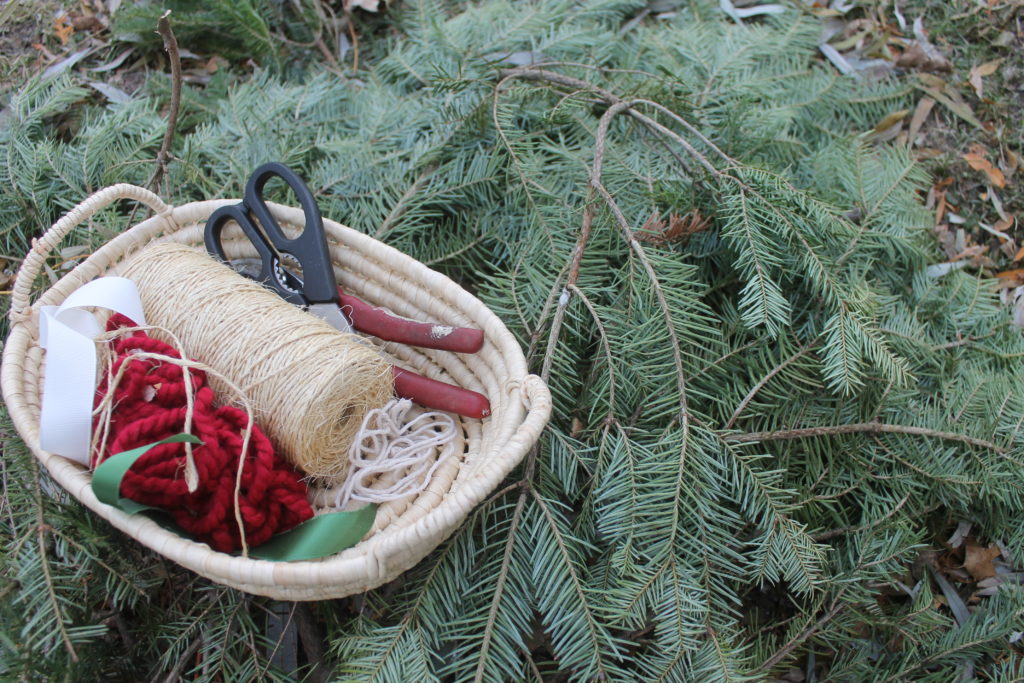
column 333, row 315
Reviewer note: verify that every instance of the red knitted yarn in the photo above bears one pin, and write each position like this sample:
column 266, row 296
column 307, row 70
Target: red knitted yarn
column 150, row 405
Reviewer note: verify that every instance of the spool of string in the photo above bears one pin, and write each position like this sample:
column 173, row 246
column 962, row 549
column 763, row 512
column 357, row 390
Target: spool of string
column 309, row 385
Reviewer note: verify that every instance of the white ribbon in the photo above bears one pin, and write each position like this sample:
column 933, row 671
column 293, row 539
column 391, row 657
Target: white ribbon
column 67, row 333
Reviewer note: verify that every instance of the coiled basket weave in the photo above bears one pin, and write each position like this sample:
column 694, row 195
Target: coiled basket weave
column 403, row 533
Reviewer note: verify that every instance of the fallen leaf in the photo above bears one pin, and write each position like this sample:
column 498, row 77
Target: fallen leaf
column 949, row 98
column 1019, row 255
column 962, row 529
column 976, row 159
column 116, row 62
column 64, row 64
column 64, row 29
column 991, row 586
column 978, row 560
column 939, row 269
column 1009, row 248
column 921, row 53
column 953, row 599
column 992, row 230
column 982, row 70
column 997, row 204
column 916, row 56
column 1011, row 278
column 1014, row 297
column 86, row 22
column 737, row 13
column 970, row 252
column 214, row 63
column 838, row 61
column 115, row 95
column 947, row 240
column 921, row 111
column 891, row 120
column 1010, row 164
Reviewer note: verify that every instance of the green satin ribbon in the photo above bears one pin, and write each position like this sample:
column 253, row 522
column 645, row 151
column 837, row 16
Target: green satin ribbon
column 321, row 536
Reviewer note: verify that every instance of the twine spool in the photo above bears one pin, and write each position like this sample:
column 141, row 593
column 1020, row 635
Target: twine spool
column 309, row 385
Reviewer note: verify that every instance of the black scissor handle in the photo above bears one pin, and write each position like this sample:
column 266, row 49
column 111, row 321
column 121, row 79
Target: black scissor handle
column 309, row 248
column 270, row 273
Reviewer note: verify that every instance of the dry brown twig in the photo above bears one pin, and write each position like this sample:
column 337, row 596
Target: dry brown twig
column 164, row 156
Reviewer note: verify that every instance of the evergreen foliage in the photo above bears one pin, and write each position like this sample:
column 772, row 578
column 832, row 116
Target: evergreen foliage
column 757, row 430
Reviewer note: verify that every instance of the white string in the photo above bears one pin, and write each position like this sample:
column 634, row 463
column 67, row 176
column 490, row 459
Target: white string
column 387, row 445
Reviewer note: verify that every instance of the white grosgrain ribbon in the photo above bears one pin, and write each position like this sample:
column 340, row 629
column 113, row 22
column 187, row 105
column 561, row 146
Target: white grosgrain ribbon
column 67, row 332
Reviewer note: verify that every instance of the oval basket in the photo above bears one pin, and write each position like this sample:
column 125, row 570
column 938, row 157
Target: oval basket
column 404, row 532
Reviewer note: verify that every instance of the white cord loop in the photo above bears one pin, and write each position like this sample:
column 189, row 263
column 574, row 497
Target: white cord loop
column 390, row 457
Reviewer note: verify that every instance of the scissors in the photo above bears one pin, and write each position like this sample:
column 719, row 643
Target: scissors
column 317, row 290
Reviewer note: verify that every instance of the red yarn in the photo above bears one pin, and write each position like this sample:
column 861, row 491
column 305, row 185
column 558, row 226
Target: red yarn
column 150, row 405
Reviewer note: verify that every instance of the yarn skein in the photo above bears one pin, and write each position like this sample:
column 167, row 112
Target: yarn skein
column 143, row 398
column 308, row 384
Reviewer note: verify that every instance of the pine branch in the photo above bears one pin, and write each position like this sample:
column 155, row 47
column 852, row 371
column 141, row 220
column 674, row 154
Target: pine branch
column 835, row 608
column 610, row 98
column 492, row 614
column 402, row 204
column 860, row 428
column 44, row 564
column 604, row 343
column 764, row 380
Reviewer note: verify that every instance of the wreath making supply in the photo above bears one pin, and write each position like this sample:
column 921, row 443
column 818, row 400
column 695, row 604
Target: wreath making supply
column 485, row 450
column 148, row 403
column 309, row 385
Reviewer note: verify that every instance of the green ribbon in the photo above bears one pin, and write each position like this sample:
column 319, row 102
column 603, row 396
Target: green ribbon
column 321, row 536
column 318, row 537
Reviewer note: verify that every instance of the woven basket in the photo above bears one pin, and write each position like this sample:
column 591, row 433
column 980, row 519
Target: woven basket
column 404, row 533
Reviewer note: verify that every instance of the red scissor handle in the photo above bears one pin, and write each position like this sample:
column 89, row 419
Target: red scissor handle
column 379, row 323
column 430, row 393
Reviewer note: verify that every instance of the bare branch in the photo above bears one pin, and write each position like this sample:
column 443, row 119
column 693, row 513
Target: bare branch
column 581, row 242
column 164, row 156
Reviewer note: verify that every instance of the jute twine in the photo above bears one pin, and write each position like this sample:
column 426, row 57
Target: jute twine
column 309, row 385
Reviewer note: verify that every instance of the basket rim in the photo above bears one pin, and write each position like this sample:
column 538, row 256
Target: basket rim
column 522, row 408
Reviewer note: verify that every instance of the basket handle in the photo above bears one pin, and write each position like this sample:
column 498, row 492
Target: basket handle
column 538, row 398
column 21, row 294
